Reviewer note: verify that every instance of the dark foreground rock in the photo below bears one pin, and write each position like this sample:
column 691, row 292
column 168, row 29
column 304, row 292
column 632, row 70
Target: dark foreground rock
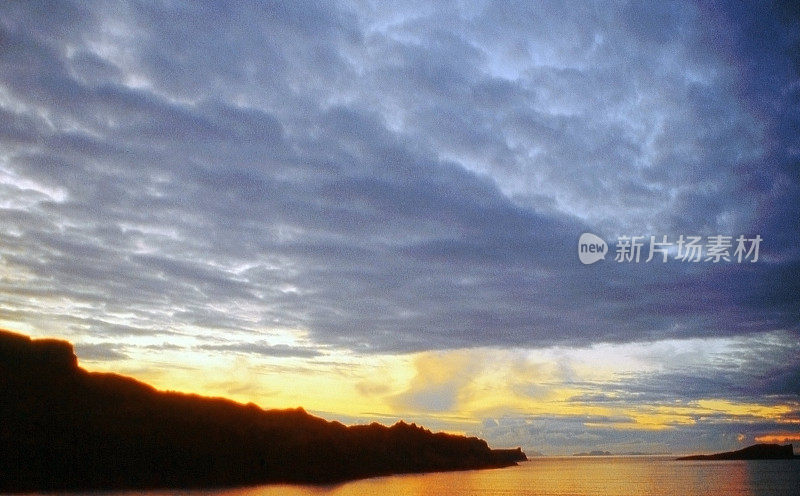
column 754, row 452
column 62, row 427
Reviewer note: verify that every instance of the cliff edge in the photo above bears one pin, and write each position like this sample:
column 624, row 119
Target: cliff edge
column 63, row 428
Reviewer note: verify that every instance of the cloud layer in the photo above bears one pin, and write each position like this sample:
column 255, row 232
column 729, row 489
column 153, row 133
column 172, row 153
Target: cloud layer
column 399, row 178
column 393, row 179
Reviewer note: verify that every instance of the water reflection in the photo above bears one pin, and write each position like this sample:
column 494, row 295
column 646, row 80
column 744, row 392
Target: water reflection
column 552, row 476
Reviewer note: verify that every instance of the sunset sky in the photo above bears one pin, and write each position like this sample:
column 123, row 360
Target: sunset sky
column 372, row 210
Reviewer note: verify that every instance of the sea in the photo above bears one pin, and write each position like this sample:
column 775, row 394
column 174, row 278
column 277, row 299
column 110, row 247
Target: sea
column 556, row 476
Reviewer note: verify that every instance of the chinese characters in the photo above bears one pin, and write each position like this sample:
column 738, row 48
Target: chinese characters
column 691, row 249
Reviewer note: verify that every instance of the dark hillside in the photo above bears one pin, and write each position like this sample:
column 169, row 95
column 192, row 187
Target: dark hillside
column 62, row 427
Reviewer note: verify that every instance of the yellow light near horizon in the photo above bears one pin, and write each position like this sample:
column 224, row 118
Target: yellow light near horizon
column 478, row 383
column 333, row 383
column 744, row 409
column 779, row 437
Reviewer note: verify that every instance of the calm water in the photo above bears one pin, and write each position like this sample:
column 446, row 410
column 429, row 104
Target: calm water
column 574, row 476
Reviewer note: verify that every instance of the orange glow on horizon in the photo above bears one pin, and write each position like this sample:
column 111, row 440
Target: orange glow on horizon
column 452, row 390
column 779, row 437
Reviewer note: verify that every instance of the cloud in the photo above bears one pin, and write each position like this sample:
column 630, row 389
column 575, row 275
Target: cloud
column 391, row 182
column 565, row 435
column 779, row 437
column 744, row 370
column 99, row 351
column 439, row 382
column 264, row 349
column 635, row 397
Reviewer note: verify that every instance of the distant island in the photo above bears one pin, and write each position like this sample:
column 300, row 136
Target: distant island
column 627, row 453
column 754, row 452
column 63, row 428
column 593, row 453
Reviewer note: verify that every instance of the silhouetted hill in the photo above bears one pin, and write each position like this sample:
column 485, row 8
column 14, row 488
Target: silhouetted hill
column 754, row 452
column 62, row 427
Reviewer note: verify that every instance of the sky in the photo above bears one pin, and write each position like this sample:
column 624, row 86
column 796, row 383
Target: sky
column 372, row 210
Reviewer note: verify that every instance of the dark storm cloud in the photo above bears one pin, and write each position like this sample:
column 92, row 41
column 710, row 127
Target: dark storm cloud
column 395, row 179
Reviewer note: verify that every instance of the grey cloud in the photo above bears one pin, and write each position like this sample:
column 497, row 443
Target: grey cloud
column 386, row 186
column 99, row 351
column 264, row 349
column 762, row 371
column 559, row 434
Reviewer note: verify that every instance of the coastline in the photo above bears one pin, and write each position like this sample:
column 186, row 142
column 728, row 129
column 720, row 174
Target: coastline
column 80, row 430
